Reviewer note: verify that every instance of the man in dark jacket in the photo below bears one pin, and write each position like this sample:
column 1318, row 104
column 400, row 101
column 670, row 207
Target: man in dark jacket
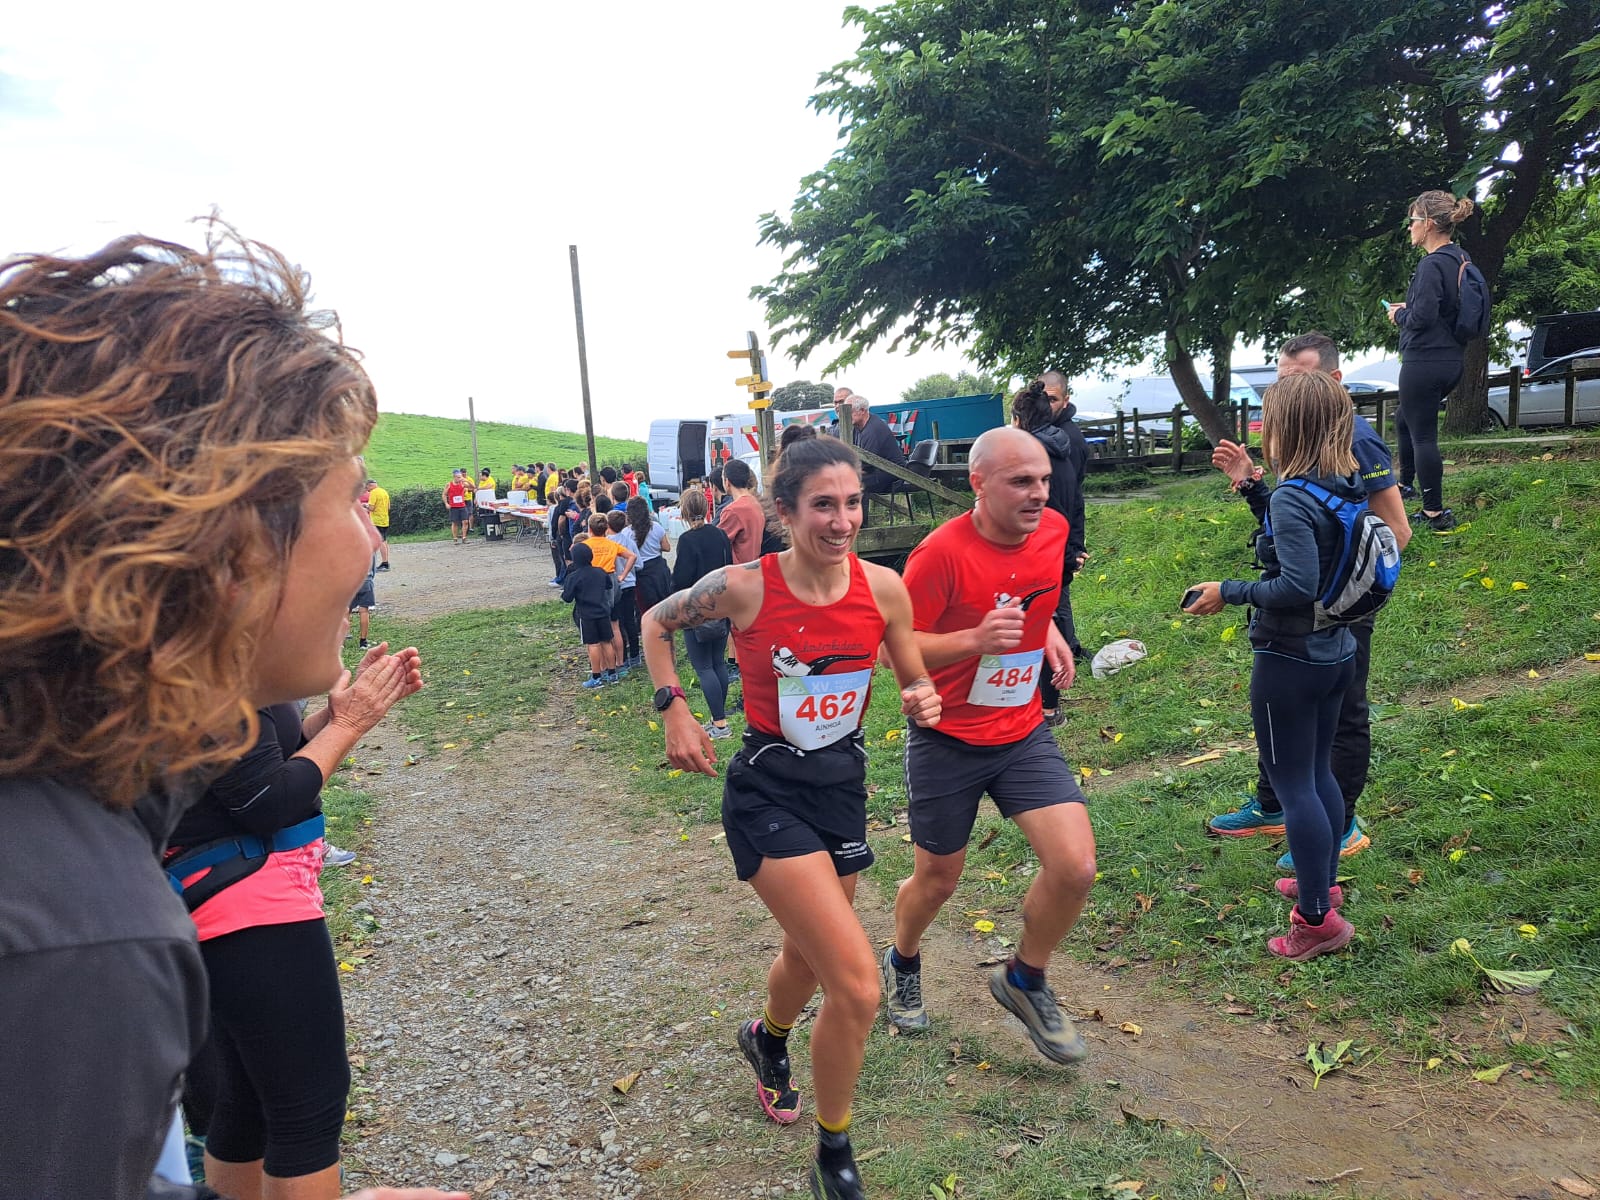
column 1076, row 451
column 872, row 434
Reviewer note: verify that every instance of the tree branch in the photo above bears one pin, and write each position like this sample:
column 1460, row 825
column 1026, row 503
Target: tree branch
column 1037, row 164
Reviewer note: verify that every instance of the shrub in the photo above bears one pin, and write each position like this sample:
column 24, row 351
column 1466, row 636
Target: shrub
column 417, row 510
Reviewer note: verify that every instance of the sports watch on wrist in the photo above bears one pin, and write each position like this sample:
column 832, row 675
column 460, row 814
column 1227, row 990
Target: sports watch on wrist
column 665, row 696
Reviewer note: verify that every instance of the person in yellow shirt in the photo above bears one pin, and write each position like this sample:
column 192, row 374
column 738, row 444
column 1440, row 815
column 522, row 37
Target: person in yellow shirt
column 378, row 507
column 519, row 478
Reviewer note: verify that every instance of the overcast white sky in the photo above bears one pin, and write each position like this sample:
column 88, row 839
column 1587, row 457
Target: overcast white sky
column 430, row 166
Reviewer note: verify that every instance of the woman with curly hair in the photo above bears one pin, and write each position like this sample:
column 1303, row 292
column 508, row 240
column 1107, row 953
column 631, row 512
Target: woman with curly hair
column 180, row 535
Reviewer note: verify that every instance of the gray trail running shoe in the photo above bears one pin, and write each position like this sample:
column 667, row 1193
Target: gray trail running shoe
column 1050, row 1028
column 902, row 993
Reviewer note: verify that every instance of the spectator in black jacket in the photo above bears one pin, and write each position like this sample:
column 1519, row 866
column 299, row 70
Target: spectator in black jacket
column 1431, row 359
column 1034, row 409
column 703, row 549
column 872, row 434
column 587, row 589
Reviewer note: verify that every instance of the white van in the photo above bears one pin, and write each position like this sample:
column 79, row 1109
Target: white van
column 676, row 453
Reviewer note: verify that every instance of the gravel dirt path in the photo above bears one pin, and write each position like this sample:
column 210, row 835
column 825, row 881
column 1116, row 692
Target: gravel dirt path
column 543, row 934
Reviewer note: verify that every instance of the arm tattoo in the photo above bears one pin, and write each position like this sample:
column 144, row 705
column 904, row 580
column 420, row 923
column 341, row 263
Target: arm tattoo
column 694, row 605
column 919, row 681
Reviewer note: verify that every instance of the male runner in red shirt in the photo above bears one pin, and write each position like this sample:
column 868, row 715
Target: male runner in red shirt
column 983, row 592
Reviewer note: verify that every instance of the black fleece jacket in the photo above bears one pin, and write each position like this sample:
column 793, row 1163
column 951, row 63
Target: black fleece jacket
column 1427, row 322
column 1069, row 458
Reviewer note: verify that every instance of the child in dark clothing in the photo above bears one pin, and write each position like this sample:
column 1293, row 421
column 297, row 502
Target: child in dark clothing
column 586, row 588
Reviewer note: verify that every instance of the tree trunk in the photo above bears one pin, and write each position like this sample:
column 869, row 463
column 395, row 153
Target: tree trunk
column 1194, row 393
column 1467, row 410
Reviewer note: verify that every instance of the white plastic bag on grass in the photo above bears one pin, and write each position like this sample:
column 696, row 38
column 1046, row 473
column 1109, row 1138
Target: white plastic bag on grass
column 1113, row 656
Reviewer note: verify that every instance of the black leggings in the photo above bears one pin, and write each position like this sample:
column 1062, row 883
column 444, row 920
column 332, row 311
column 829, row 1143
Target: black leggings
column 277, row 1029
column 1295, row 707
column 626, row 614
column 1423, row 385
column 1352, row 738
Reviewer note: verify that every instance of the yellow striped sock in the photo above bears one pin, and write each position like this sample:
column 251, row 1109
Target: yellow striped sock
column 831, row 1127
column 775, row 1028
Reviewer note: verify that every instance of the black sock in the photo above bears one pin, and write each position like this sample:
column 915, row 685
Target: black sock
column 1313, row 919
column 902, row 963
column 1023, row 976
column 833, row 1149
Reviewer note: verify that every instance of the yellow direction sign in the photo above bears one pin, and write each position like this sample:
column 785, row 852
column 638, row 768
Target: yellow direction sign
column 742, row 353
column 744, row 380
column 764, row 386
column 758, row 405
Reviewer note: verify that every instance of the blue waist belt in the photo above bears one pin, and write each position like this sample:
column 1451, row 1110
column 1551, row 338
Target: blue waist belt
column 245, row 846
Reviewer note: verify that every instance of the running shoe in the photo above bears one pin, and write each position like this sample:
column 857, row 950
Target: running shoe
column 841, row 1181
column 552, row 583
column 593, row 682
column 383, row 566
column 1407, row 492
column 1355, row 840
column 1245, row 820
column 1305, row 942
column 1290, row 888
column 610, row 677
column 1051, row 1030
column 1055, row 720
column 364, row 644
column 776, row 1093
column 717, row 732
column 1441, row 522
column 332, row 856
column 902, row 991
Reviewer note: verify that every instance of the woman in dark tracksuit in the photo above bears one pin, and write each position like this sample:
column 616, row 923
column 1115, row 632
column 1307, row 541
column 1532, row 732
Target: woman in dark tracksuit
column 1430, row 357
column 1063, row 441
column 1300, row 673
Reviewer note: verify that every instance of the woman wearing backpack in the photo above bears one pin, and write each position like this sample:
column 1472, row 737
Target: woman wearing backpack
column 1431, row 357
column 1299, row 672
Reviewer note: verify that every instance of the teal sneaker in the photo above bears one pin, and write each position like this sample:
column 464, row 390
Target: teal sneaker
column 1245, row 820
column 1355, row 840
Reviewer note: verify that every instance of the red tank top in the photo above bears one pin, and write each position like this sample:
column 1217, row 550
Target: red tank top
column 807, row 669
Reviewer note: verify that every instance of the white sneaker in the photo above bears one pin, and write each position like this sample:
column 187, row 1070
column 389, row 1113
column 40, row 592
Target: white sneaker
column 332, row 856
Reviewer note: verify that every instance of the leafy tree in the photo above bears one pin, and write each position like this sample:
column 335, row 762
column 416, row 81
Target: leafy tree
column 802, row 394
column 1554, row 265
column 1082, row 185
column 940, row 385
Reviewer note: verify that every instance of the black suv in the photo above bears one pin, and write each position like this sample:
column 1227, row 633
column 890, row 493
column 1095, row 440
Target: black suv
column 1561, row 335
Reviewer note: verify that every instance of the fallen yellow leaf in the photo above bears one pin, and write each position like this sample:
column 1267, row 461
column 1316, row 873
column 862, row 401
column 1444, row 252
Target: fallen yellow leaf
column 366, row 879
column 465, row 672
column 344, row 966
column 1131, row 1028
column 449, row 745
column 1487, row 582
column 1227, row 634
column 983, row 926
column 654, row 728
column 675, row 772
column 1527, row 932
column 1532, row 674
column 1518, row 586
column 1491, row 1074
column 1209, row 756
column 889, row 735
column 1591, row 658
column 624, row 1085
column 1461, row 705
column 1435, row 1063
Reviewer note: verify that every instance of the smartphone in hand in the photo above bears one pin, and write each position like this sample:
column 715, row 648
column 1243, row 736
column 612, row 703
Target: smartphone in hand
column 1189, row 598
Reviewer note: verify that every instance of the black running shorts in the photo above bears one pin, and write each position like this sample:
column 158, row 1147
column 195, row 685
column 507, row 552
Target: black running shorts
column 780, row 803
column 596, row 631
column 946, row 777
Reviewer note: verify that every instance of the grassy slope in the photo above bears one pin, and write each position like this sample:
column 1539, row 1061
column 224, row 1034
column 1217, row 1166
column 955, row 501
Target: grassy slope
column 409, row 450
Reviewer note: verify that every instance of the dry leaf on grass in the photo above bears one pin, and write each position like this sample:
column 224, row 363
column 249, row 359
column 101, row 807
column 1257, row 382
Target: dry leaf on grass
column 1575, row 1187
column 625, row 1085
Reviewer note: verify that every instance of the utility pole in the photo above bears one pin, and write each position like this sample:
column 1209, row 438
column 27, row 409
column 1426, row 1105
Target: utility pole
column 583, row 362
column 472, row 421
column 760, row 388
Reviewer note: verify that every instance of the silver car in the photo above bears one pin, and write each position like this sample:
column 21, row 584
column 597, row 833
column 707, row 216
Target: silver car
column 1544, row 395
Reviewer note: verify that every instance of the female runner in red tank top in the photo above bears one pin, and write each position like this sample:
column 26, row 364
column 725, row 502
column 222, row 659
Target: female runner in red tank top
column 807, row 624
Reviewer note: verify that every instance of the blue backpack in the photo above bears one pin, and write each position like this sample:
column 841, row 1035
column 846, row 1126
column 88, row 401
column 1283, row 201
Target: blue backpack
column 1472, row 314
column 1368, row 566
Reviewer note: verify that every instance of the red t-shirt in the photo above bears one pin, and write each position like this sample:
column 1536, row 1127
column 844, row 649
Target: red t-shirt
column 807, row 670
column 957, row 575
column 455, row 495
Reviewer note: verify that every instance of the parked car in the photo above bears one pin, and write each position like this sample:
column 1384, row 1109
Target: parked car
column 1157, row 394
column 1544, row 394
column 1561, row 335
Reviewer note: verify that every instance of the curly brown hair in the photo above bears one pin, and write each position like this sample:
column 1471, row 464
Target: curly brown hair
column 164, row 413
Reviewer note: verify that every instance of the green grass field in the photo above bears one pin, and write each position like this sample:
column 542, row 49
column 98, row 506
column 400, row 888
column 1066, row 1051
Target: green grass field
column 408, row 450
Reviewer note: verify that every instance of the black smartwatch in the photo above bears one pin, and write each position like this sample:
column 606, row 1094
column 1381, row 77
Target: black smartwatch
column 665, row 696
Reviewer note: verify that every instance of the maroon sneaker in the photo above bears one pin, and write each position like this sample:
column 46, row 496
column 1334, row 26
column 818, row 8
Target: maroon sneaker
column 1307, row 941
column 1290, row 888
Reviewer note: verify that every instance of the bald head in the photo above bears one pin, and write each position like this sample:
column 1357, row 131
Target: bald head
column 998, row 449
